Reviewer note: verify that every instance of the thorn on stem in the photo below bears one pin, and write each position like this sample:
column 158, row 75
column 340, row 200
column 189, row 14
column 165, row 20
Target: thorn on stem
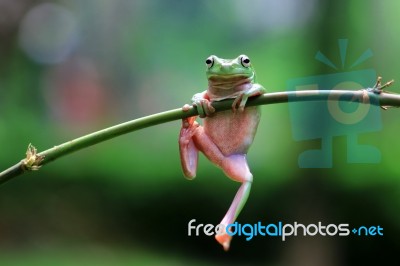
column 378, row 87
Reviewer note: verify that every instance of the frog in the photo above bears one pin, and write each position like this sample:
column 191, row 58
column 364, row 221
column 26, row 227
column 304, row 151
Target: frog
column 225, row 137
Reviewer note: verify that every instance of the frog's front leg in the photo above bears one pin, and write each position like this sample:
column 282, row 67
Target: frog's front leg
column 240, row 101
column 203, row 104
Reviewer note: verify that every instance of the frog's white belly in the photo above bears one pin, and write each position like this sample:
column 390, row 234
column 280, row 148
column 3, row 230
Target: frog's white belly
column 233, row 133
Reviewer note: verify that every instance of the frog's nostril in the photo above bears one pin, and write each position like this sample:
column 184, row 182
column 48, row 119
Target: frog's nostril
column 225, row 66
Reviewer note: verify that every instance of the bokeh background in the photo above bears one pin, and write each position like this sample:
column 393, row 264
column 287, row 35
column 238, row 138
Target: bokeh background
column 68, row 68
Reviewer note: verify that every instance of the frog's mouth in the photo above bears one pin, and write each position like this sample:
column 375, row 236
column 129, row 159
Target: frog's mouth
column 227, row 82
column 224, row 77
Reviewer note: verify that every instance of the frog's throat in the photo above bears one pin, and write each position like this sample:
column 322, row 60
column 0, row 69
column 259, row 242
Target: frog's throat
column 218, row 83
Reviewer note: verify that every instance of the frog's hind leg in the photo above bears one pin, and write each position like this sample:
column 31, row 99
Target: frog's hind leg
column 235, row 167
column 192, row 138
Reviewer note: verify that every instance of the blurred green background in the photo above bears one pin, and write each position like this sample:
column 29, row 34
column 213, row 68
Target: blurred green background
column 68, row 68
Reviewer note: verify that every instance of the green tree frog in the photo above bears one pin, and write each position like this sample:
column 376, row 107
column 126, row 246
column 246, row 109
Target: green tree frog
column 226, row 136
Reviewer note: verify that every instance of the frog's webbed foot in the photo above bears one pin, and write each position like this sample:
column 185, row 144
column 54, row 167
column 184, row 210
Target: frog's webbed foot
column 204, row 107
column 187, row 148
column 240, row 102
column 202, row 104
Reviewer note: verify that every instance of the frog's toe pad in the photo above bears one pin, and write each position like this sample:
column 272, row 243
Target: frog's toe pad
column 186, row 107
column 225, row 240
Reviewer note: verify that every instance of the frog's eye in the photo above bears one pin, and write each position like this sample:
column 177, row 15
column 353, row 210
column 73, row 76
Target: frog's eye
column 210, row 62
column 245, row 61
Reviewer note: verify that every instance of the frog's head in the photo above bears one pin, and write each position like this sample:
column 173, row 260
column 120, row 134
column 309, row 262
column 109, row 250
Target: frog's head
column 238, row 68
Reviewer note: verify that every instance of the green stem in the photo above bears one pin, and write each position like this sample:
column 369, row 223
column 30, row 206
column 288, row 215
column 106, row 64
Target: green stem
column 42, row 158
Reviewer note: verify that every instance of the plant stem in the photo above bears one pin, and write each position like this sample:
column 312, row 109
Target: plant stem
column 42, row 158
